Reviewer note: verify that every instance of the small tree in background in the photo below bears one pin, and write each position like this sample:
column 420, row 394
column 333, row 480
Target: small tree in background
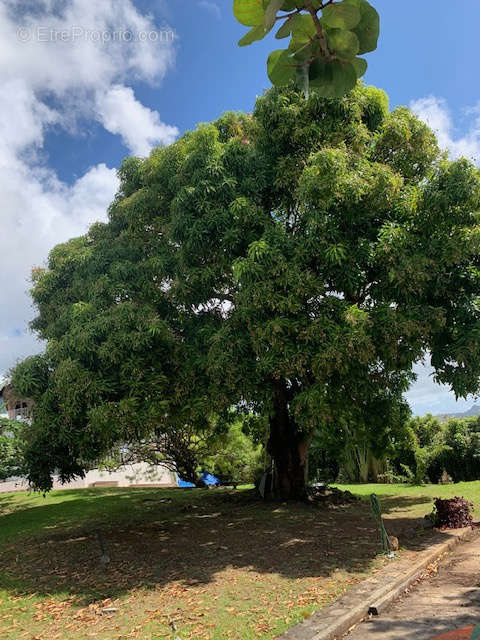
column 420, row 454
column 233, row 457
column 11, row 449
column 462, row 457
column 223, row 449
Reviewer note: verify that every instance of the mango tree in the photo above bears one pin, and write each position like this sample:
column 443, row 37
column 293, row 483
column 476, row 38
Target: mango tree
column 293, row 263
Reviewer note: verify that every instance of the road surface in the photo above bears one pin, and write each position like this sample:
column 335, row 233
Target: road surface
column 448, row 600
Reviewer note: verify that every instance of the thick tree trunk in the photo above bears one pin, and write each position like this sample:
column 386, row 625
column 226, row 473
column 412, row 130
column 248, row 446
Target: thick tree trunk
column 288, row 449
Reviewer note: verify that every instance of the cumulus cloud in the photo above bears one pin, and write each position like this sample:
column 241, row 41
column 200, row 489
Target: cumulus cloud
column 73, row 44
column 139, row 127
column 39, row 211
column 425, row 394
column 435, row 112
column 61, row 61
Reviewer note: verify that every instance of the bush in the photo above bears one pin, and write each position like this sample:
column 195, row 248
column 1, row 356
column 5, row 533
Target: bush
column 233, row 457
column 453, row 513
column 390, row 477
column 11, row 448
column 445, row 478
column 462, row 437
column 323, row 460
column 421, row 454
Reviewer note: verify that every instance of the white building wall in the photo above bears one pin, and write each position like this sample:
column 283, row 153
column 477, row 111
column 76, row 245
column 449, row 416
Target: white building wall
column 135, row 475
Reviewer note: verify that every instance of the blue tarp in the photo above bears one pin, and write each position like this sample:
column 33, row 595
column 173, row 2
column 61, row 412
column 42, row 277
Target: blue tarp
column 184, row 484
column 207, row 478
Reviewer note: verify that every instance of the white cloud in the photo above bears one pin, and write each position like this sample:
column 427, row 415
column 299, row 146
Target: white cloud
column 70, row 54
column 435, row 112
column 19, row 105
column 427, row 396
column 81, row 45
column 39, row 211
column 139, row 127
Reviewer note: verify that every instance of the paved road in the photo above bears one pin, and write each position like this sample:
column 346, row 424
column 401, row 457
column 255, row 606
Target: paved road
column 448, row 600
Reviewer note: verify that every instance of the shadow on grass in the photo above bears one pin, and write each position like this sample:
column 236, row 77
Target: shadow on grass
column 155, row 538
column 68, row 509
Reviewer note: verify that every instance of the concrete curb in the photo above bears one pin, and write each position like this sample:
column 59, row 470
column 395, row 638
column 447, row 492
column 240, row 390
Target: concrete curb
column 376, row 592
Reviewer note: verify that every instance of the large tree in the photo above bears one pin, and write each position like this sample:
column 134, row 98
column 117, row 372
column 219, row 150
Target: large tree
column 293, row 263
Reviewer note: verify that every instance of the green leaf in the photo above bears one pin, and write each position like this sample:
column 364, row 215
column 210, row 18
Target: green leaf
column 336, row 254
column 342, row 43
column 286, row 28
column 342, row 15
column 255, row 33
column 301, row 52
column 271, row 12
column 251, row 13
column 303, row 29
column 281, row 67
column 360, row 65
column 368, row 29
column 332, row 79
column 291, row 5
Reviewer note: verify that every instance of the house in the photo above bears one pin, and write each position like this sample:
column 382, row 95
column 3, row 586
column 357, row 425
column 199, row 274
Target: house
column 139, row 474
column 3, row 406
column 13, row 406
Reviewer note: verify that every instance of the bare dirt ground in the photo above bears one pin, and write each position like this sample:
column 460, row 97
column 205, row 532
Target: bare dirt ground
column 204, row 565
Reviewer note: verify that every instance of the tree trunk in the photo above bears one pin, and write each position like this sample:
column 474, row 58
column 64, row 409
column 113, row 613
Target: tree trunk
column 288, row 449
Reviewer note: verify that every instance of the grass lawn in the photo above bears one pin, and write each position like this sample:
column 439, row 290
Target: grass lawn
column 185, row 564
column 405, row 501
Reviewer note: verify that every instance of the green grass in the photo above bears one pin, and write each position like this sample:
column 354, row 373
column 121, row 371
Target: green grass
column 28, row 514
column 209, row 565
column 416, row 501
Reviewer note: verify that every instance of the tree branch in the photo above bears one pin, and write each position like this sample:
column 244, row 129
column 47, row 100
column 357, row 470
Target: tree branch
column 320, row 33
column 288, row 15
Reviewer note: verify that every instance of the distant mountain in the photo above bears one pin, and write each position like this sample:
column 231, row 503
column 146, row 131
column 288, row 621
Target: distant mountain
column 473, row 411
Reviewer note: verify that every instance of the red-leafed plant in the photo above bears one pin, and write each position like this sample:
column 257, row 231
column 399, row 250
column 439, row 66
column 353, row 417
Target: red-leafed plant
column 453, row 513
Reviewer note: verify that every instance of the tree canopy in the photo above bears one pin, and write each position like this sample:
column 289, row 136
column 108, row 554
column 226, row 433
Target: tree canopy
column 292, row 263
column 326, row 39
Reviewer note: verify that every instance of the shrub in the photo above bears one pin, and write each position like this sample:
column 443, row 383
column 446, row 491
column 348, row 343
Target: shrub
column 409, row 475
column 453, row 513
column 323, row 459
column 390, row 477
column 463, row 439
column 422, row 450
column 233, row 457
column 445, row 478
column 11, row 448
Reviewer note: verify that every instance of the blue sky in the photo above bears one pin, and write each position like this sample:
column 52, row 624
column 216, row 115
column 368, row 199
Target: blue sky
column 426, row 48
column 71, row 110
